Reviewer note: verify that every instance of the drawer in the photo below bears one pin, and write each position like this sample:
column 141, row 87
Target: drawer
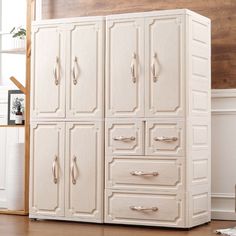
column 124, row 138
column 144, row 209
column 165, row 138
column 144, row 173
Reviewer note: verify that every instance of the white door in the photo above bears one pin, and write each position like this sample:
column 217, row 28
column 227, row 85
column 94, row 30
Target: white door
column 164, row 60
column 84, row 171
column 85, row 72
column 125, row 68
column 47, row 169
column 48, row 72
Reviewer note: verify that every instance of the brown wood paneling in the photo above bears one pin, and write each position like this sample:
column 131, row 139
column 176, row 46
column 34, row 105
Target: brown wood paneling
column 221, row 12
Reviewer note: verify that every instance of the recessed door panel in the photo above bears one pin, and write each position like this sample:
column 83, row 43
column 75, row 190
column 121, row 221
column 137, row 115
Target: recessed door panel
column 125, row 68
column 85, row 69
column 48, row 73
column 47, row 169
column 84, row 165
column 164, row 66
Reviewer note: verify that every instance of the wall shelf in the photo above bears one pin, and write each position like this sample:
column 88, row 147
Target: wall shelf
column 11, row 126
column 14, row 51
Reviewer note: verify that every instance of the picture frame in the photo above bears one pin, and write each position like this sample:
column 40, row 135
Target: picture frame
column 13, row 97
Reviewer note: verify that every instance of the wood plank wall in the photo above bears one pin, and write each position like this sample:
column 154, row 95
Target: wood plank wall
column 221, row 12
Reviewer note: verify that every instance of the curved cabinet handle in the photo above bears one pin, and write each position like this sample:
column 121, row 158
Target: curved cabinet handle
column 55, row 170
column 73, row 170
column 124, row 139
column 133, row 68
column 75, row 77
column 141, row 173
column 166, row 139
column 56, row 72
column 154, row 68
column 141, row 208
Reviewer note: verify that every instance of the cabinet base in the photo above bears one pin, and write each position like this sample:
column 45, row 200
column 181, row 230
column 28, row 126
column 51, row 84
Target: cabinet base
column 33, row 217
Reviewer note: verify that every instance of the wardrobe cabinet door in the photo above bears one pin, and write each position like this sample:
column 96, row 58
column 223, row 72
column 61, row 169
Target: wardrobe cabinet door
column 85, row 71
column 47, row 169
column 164, row 61
column 48, row 78
column 125, row 68
column 84, row 171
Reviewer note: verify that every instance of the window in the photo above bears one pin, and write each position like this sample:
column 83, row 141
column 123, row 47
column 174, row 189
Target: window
column 12, row 14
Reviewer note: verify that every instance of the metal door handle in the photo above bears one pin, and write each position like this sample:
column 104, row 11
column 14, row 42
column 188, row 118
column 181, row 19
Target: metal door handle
column 133, row 68
column 154, row 70
column 56, row 72
column 75, row 77
column 55, row 170
column 73, row 169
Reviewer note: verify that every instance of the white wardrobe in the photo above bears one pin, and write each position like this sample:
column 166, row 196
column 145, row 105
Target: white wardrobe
column 67, row 120
column 126, row 95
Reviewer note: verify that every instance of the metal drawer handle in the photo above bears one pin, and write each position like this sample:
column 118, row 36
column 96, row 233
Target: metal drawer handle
column 75, row 77
column 166, row 139
column 73, row 169
column 141, row 208
column 141, row 173
column 133, row 68
column 55, row 170
column 124, row 139
column 154, row 69
column 56, row 72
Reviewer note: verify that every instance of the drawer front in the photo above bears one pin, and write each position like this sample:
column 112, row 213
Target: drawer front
column 144, row 173
column 165, row 138
column 124, row 138
column 144, row 209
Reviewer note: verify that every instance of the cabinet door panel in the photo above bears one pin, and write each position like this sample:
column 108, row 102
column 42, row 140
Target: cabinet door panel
column 164, row 60
column 48, row 78
column 124, row 68
column 47, row 169
column 85, row 70
column 84, row 168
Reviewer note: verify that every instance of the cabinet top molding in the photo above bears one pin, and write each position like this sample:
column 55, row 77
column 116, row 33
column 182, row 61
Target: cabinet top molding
column 124, row 16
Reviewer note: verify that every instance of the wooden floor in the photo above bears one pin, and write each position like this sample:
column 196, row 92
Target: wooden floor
column 21, row 225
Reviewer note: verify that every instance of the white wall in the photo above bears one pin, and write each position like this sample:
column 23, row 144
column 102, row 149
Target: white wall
column 223, row 154
column 3, row 105
column 13, row 13
column 8, row 136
